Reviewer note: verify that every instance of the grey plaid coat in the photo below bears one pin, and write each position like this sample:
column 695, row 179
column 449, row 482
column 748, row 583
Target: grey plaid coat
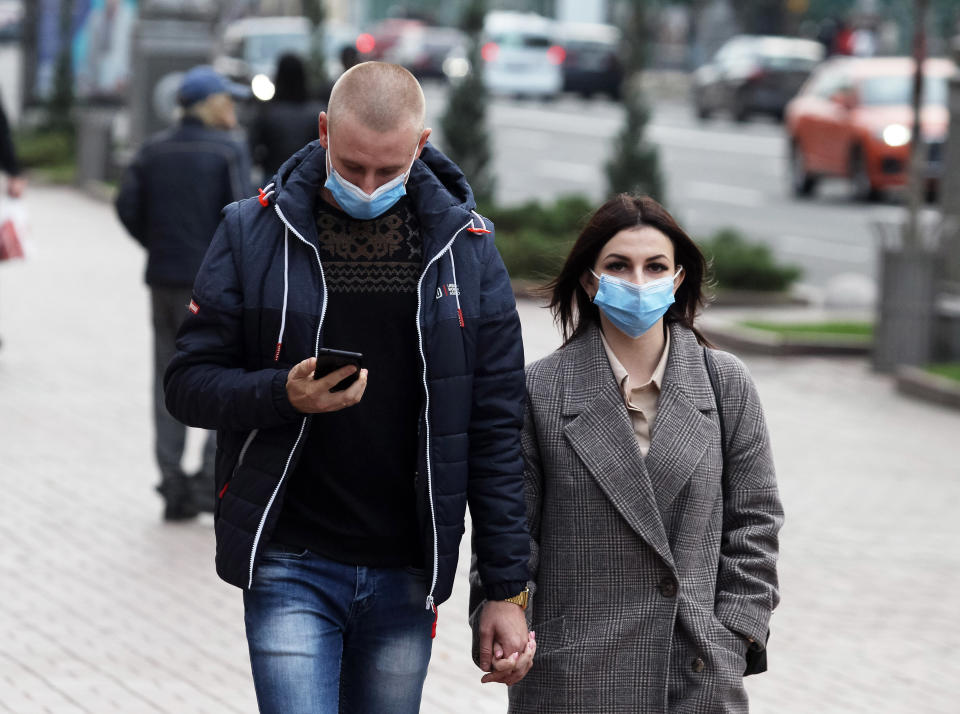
column 647, row 573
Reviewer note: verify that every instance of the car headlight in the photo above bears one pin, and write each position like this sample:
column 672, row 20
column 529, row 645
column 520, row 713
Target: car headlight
column 262, row 87
column 896, row 135
column 456, row 67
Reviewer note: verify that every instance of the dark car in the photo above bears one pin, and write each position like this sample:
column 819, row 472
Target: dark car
column 754, row 74
column 591, row 62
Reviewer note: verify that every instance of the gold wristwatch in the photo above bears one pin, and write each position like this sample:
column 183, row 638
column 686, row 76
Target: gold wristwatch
column 520, row 599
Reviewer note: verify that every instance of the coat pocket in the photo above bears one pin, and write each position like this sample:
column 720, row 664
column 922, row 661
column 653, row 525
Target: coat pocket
column 552, row 635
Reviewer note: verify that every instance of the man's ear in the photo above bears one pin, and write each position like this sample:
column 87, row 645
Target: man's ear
column 322, row 126
column 423, row 140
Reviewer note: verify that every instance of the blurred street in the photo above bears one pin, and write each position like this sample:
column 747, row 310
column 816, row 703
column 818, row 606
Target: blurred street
column 718, row 174
column 107, row 609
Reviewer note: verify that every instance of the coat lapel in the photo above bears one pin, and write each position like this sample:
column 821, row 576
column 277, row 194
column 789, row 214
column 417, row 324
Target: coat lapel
column 681, row 431
column 602, row 436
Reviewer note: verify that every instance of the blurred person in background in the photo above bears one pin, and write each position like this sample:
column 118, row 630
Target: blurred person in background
column 8, row 161
column 341, row 511
column 170, row 200
column 651, row 496
column 287, row 122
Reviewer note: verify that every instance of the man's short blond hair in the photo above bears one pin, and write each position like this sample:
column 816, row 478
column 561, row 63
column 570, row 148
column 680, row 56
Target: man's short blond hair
column 379, row 95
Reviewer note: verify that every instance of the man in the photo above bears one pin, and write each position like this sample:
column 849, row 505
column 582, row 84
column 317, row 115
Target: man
column 340, row 512
column 170, row 201
column 8, row 161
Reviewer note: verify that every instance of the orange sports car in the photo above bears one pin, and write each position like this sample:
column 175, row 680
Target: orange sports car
column 853, row 118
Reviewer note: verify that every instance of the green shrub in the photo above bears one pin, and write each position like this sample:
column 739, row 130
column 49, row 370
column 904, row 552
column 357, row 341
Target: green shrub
column 534, row 238
column 44, row 147
column 737, row 264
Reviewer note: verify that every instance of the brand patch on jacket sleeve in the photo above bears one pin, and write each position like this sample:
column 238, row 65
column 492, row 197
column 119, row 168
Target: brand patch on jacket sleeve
column 194, row 308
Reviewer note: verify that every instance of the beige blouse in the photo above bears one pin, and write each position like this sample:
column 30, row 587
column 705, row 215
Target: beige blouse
column 641, row 400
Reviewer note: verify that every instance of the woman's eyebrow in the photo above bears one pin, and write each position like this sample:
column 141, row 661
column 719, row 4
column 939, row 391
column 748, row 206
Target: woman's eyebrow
column 616, row 255
column 656, row 257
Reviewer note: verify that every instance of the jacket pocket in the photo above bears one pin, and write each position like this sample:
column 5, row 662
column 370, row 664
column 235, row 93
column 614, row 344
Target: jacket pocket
column 236, row 468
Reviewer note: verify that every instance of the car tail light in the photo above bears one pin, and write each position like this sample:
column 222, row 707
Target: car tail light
column 556, row 55
column 365, row 43
column 755, row 74
column 489, row 51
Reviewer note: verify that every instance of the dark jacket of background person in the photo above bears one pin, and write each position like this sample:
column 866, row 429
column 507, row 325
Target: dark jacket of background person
column 259, row 311
column 286, row 123
column 8, row 157
column 653, row 615
column 172, row 194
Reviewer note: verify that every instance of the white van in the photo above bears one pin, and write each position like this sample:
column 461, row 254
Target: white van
column 520, row 57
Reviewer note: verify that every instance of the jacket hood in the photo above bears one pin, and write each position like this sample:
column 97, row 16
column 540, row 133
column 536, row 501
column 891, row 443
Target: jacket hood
column 436, row 186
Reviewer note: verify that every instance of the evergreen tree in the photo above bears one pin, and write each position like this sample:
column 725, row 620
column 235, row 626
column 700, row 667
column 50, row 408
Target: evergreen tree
column 635, row 165
column 60, row 104
column 317, row 80
column 465, row 137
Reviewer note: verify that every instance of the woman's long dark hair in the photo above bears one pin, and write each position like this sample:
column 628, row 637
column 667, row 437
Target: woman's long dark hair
column 290, row 80
column 571, row 306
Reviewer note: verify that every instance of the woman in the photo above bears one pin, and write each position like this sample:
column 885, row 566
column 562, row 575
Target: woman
column 654, row 546
column 283, row 125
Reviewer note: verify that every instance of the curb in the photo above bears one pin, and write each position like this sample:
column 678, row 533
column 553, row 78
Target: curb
column 745, row 339
column 915, row 382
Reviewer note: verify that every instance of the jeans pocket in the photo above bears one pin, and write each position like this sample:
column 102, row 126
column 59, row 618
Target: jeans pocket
column 281, row 551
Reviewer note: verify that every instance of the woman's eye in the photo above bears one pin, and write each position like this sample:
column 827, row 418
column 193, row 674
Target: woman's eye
column 613, row 267
column 657, row 267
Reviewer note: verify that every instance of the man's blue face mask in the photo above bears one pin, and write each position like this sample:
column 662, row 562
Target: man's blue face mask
column 633, row 308
column 357, row 202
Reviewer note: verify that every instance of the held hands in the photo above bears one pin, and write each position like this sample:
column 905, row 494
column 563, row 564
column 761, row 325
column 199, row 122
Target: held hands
column 313, row 396
column 505, row 649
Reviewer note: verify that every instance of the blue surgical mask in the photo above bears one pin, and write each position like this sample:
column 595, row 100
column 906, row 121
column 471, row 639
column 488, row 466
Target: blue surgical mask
column 633, row 308
column 357, row 202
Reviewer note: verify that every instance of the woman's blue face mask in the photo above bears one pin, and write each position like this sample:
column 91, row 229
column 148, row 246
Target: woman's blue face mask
column 358, row 203
column 632, row 308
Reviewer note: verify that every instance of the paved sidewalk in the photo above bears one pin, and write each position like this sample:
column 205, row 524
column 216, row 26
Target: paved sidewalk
column 103, row 608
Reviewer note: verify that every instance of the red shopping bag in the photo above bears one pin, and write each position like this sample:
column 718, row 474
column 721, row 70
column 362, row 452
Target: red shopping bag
column 13, row 225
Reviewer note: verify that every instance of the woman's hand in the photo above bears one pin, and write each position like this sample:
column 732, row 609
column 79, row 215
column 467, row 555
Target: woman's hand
column 510, row 670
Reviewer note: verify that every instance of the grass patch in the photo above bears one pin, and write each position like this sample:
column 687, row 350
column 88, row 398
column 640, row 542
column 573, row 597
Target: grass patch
column 859, row 331
column 950, row 370
column 49, row 154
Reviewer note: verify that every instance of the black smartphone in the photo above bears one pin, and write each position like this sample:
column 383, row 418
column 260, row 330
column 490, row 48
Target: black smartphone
column 331, row 360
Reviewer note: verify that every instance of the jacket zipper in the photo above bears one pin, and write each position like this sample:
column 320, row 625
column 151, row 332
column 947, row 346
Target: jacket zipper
column 303, row 424
column 426, row 391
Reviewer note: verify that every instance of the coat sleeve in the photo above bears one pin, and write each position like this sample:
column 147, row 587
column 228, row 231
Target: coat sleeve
column 533, row 496
column 8, row 156
column 206, row 384
column 129, row 202
column 747, row 588
column 495, row 485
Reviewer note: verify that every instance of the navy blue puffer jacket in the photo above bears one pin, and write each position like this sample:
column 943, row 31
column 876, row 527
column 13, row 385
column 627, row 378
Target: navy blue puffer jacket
column 258, row 309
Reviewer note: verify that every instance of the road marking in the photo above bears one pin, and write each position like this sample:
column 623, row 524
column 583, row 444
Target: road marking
column 569, row 171
column 822, row 248
column 721, row 193
column 662, row 134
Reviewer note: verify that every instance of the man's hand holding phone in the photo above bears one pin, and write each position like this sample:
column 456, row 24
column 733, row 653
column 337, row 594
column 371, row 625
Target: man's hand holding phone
column 311, row 395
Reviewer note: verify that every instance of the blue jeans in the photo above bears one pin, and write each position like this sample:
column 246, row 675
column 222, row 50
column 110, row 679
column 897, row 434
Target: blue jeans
column 326, row 637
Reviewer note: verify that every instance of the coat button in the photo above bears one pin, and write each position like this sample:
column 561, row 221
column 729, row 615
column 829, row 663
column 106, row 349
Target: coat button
column 697, row 665
column 668, row 586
